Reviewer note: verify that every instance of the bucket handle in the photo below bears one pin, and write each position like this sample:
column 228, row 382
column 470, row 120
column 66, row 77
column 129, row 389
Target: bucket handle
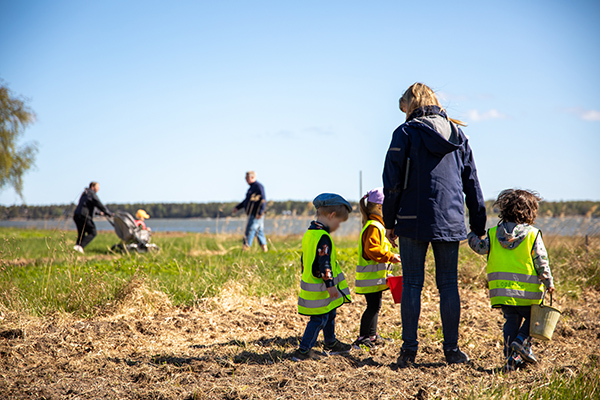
column 388, row 269
column 544, row 297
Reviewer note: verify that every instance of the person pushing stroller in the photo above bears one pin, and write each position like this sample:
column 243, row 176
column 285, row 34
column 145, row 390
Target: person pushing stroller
column 84, row 216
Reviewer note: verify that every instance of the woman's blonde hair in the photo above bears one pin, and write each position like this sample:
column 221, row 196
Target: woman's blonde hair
column 420, row 95
column 367, row 208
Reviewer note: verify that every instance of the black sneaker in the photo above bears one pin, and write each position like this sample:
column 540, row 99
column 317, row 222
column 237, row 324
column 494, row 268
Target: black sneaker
column 524, row 350
column 301, row 355
column 362, row 343
column 455, row 356
column 337, row 348
column 406, row 358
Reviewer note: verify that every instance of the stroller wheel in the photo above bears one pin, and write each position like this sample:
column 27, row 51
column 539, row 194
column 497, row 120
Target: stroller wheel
column 152, row 247
column 117, row 247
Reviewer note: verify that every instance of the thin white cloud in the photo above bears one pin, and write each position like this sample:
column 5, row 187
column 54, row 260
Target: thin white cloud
column 284, row 133
column 590, row 115
column 475, row 115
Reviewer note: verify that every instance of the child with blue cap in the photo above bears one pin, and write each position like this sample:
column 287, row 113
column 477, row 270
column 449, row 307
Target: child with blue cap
column 323, row 286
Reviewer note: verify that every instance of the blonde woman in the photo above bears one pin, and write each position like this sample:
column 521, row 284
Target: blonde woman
column 429, row 172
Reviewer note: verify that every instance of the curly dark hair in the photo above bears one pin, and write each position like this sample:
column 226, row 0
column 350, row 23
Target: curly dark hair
column 518, row 206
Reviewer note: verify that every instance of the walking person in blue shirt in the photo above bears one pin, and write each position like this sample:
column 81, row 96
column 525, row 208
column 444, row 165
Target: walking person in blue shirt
column 254, row 204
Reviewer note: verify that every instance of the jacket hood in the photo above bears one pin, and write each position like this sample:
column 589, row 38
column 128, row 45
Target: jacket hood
column 511, row 235
column 439, row 135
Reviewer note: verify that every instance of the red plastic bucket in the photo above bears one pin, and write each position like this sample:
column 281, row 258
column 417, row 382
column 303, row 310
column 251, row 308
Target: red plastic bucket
column 395, row 285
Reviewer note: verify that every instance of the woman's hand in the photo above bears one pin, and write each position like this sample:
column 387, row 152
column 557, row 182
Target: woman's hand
column 389, row 234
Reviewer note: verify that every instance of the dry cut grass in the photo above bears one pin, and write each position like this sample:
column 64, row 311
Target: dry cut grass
column 237, row 347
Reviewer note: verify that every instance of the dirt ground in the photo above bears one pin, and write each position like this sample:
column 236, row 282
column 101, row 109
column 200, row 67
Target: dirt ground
column 233, row 347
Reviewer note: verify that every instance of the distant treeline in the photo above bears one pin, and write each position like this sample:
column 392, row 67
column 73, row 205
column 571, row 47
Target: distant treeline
column 159, row 210
column 274, row 208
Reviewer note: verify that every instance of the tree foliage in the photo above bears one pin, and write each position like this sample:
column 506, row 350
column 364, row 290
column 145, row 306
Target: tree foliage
column 15, row 158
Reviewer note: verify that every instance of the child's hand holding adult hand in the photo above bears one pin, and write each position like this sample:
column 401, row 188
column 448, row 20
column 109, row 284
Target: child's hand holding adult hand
column 395, row 259
column 333, row 292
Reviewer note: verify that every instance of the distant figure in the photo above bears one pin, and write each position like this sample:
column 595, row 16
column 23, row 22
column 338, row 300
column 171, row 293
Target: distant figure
column 517, row 266
column 140, row 216
column 84, row 214
column 254, row 204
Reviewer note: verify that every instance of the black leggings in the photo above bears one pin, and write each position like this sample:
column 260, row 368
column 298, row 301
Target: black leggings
column 86, row 229
column 368, row 322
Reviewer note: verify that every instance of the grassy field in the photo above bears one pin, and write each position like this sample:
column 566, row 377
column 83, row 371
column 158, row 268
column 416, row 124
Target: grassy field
column 202, row 319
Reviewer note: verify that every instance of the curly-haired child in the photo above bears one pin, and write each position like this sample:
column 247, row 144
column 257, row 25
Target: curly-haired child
column 516, row 269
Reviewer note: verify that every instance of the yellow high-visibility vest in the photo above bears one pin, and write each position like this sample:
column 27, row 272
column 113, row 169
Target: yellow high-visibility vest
column 370, row 275
column 511, row 274
column 314, row 298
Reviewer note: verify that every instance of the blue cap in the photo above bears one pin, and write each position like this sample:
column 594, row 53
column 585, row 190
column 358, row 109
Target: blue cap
column 331, row 199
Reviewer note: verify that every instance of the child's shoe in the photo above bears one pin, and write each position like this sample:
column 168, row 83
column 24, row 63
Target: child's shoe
column 301, row 355
column 514, row 362
column 363, row 342
column 378, row 340
column 337, row 347
column 524, row 349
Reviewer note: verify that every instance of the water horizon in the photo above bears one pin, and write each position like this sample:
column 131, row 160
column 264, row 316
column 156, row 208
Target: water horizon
column 282, row 226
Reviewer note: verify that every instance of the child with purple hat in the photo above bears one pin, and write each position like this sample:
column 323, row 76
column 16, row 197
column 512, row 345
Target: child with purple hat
column 374, row 254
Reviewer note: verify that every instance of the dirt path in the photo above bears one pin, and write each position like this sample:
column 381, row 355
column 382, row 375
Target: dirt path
column 234, row 347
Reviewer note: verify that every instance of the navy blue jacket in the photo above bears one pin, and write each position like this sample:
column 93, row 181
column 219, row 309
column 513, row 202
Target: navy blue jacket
column 256, row 201
column 428, row 167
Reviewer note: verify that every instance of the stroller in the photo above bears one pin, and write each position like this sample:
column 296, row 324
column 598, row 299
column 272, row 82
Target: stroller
column 133, row 238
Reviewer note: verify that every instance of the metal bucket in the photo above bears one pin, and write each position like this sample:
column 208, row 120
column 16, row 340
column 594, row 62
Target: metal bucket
column 543, row 320
column 395, row 285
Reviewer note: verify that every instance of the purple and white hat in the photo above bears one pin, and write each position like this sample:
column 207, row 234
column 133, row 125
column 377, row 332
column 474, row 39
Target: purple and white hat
column 375, row 196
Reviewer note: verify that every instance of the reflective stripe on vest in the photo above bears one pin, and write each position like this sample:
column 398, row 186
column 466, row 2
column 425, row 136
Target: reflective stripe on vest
column 371, row 275
column 512, row 278
column 314, row 298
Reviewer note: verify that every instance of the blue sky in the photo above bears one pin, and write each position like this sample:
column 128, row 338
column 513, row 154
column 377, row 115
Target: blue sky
column 173, row 101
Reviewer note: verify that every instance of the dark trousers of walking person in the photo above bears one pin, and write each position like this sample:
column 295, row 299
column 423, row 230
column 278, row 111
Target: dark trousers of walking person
column 86, row 229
